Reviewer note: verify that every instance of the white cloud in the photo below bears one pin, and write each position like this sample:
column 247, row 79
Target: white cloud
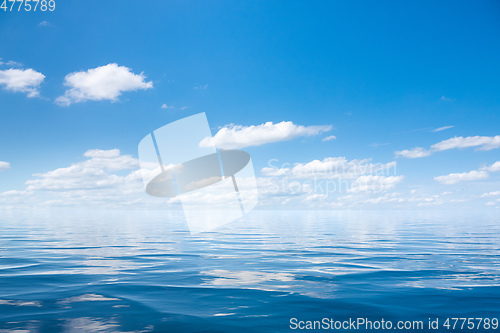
column 482, row 173
column 442, row 128
column 331, row 168
column 22, row 80
column 446, row 99
column 165, row 106
column 397, row 199
column 320, row 183
column 44, row 24
column 89, row 174
column 494, row 167
column 371, row 183
column 237, row 136
column 106, row 178
column 13, row 193
column 329, row 138
column 4, row 166
column 101, row 83
column 482, row 142
column 10, row 63
column 454, row 178
column 489, row 194
column 413, row 153
column 316, row 197
column 274, row 172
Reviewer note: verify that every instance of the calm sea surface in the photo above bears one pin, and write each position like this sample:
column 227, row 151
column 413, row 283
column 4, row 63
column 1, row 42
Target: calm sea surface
column 132, row 271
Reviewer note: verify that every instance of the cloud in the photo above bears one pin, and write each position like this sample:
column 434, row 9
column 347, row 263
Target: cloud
column 105, row 178
column 377, row 145
column 331, row 168
column 44, row 24
column 442, row 128
column 397, row 199
column 446, row 99
column 483, row 142
column 89, row 174
column 320, row 183
column 372, row 183
column 165, row 106
column 22, row 80
column 237, row 136
column 489, row 194
column 101, row 83
column 413, row 153
column 10, row 63
column 329, row 138
column 4, row 166
column 454, row 178
column 201, row 87
column 494, row 167
column 482, row 173
column 458, row 142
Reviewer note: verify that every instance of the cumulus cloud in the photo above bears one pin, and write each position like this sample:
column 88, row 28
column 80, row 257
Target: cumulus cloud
column 320, row 183
column 237, row 136
column 105, row 178
column 27, row 81
column 454, row 178
column 4, row 166
column 442, row 128
column 89, row 174
column 101, row 83
column 329, row 138
column 482, row 142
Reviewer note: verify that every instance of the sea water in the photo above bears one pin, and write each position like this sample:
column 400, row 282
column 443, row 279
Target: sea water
column 135, row 271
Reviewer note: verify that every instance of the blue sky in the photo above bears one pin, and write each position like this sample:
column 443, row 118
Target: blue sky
column 384, row 75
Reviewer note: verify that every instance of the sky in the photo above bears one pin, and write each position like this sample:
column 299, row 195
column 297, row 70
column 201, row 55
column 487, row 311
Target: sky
column 341, row 105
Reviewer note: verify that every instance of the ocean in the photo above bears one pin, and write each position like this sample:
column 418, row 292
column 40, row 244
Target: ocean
column 270, row 271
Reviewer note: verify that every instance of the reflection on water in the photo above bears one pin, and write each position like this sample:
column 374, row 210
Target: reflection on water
column 144, row 272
